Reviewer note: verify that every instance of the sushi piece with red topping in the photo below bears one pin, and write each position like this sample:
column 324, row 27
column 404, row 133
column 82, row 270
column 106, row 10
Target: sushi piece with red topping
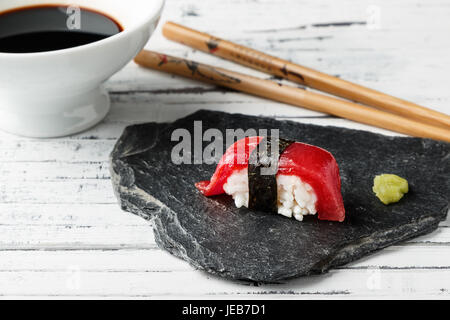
column 305, row 181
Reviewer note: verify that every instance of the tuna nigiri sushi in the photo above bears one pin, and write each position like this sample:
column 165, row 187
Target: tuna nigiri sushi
column 305, row 182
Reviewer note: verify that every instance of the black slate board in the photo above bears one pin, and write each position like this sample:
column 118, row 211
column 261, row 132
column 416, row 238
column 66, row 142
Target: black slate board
column 212, row 235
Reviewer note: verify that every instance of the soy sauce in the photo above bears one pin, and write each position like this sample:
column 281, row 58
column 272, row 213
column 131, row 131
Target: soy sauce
column 49, row 28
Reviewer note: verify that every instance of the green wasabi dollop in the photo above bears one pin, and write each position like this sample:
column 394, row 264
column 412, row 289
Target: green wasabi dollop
column 389, row 188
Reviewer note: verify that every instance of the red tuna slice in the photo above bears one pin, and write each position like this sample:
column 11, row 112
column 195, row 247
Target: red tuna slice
column 318, row 168
column 234, row 159
column 313, row 165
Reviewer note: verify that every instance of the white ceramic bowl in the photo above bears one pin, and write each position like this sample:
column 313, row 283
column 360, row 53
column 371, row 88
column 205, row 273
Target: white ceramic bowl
column 58, row 93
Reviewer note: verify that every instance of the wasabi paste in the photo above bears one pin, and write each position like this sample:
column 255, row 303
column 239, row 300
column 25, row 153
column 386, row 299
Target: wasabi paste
column 389, row 188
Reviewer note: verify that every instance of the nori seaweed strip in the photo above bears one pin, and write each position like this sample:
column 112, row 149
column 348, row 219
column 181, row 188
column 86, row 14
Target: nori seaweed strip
column 263, row 194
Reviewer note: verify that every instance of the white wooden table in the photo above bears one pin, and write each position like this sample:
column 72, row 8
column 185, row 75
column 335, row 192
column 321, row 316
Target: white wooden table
column 62, row 233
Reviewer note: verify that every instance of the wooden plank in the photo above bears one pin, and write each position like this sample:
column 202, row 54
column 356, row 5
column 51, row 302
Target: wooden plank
column 60, row 191
column 156, row 260
column 123, row 260
column 74, row 215
column 142, row 107
column 414, row 271
column 92, row 151
column 374, row 283
column 51, row 171
column 67, row 237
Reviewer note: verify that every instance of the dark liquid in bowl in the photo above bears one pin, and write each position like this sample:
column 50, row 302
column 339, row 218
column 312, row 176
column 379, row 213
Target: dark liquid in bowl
column 49, row 28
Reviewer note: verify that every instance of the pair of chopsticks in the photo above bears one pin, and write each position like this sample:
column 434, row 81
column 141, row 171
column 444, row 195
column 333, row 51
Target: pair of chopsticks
column 382, row 110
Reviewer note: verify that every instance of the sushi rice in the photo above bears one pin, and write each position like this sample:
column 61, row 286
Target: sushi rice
column 295, row 197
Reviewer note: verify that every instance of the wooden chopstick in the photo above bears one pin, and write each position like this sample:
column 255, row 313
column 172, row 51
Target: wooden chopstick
column 291, row 95
column 303, row 75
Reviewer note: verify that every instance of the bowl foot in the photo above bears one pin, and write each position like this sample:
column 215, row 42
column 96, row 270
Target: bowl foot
column 55, row 115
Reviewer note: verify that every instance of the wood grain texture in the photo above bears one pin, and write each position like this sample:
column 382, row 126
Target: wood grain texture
column 62, row 233
column 291, row 71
